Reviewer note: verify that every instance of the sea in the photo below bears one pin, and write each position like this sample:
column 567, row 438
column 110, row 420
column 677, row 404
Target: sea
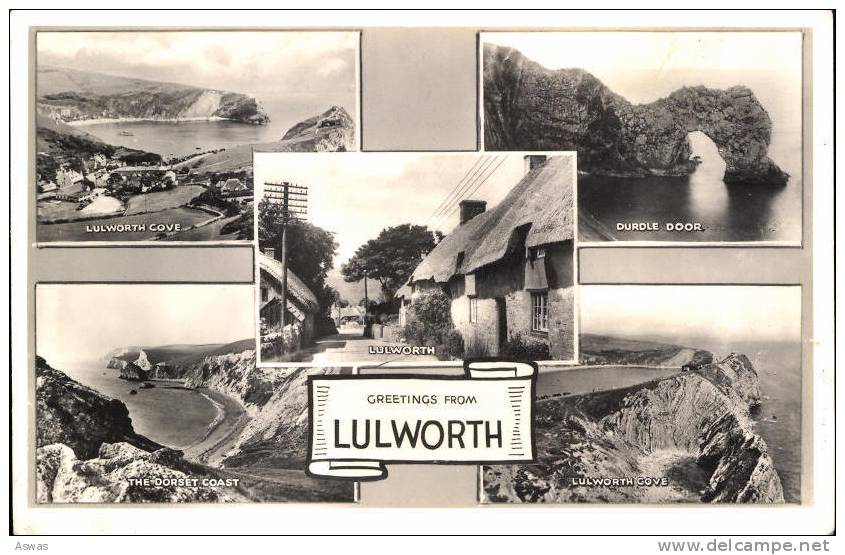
column 778, row 421
column 180, row 138
column 167, row 414
column 725, row 212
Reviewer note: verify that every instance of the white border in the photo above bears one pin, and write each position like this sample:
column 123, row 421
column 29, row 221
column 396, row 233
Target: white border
column 371, row 364
column 816, row 518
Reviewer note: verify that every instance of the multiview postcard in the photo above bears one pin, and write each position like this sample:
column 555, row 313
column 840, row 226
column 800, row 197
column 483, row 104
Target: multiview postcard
column 148, row 135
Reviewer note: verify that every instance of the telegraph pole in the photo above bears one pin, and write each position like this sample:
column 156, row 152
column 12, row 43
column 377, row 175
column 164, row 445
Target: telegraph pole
column 293, row 200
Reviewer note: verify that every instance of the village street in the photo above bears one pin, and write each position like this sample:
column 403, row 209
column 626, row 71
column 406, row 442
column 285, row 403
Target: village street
column 350, row 345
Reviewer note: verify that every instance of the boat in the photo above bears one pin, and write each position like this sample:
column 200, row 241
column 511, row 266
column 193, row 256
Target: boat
column 126, row 134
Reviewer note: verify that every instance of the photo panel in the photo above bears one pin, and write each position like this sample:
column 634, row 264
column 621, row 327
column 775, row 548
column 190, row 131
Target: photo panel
column 159, row 400
column 147, row 136
column 684, row 394
column 415, row 258
column 682, row 137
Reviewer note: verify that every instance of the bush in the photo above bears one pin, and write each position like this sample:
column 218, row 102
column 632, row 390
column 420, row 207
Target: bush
column 527, row 348
column 429, row 324
column 476, row 348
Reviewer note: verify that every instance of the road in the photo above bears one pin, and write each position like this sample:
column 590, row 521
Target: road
column 350, row 345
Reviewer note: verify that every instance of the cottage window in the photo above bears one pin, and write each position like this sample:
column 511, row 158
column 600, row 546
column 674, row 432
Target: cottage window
column 473, row 310
column 540, row 312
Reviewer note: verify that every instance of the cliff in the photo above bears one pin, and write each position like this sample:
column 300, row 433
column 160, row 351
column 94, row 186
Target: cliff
column 276, row 400
column 529, row 107
column 692, row 428
column 330, row 131
column 87, row 450
column 71, row 95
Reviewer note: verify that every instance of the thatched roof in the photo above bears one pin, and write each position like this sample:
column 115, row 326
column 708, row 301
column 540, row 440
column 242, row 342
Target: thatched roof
column 296, row 287
column 543, row 201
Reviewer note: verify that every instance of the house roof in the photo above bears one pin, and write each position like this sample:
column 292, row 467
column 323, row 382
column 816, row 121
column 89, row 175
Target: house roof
column 233, row 183
column 296, row 287
column 543, row 200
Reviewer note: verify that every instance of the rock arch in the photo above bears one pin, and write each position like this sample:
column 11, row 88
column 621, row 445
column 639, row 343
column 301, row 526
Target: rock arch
column 528, row 107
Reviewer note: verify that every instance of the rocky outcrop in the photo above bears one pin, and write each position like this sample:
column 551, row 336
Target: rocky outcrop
column 331, row 131
column 120, row 473
column 71, row 96
column 70, row 413
column 698, row 421
column 129, row 370
column 87, row 451
column 529, row 107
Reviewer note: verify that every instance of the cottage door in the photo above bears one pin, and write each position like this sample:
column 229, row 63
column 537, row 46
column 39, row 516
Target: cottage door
column 502, row 320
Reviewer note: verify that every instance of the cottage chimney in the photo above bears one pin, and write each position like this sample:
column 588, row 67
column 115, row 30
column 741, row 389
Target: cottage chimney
column 534, row 161
column 270, row 252
column 471, row 209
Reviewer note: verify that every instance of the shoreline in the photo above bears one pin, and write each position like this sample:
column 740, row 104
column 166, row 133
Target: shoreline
column 99, row 121
column 222, row 432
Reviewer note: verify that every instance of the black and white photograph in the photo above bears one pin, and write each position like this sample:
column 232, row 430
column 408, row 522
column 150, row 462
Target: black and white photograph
column 681, row 136
column 684, row 394
column 410, row 258
column 158, row 400
column 148, row 135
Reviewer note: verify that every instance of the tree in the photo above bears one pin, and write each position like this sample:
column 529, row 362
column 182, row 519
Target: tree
column 311, row 250
column 391, row 257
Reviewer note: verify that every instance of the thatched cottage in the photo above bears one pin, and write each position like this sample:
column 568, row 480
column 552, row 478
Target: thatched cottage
column 302, row 304
column 509, row 271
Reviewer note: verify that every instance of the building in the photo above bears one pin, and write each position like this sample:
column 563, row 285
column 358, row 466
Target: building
column 302, row 304
column 509, row 271
column 347, row 314
column 66, row 177
column 233, row 186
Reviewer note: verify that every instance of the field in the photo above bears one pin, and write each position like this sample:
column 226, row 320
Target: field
column 51, row 210
column 76, row 231
column 162, row 200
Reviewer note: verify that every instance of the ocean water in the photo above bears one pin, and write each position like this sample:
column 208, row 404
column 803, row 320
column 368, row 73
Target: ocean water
column 167, row 414
column 170, row 139
column 727, row 213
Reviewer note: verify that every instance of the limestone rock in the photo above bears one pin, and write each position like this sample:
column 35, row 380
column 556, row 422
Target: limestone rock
column 700, row 418
column 529, row 107
column 112, row 477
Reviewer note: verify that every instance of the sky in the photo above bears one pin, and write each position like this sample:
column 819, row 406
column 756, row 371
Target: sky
column 83, row 322
column 356, row 195
column 719, row 58
column 740, row 313
column 259, row 63
column 646, row 66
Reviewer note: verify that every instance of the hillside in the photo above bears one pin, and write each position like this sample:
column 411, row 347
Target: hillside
column 72, row 95
column 607, row 350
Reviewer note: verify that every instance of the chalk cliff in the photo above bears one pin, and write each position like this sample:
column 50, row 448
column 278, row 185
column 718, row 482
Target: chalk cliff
column 276, row 399
column 72, row 95
column 529, row 107
column 693, row 428
column 88, row 451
